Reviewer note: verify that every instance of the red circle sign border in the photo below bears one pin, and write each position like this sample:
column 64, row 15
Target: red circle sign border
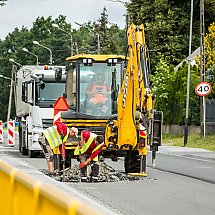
column 206, row 84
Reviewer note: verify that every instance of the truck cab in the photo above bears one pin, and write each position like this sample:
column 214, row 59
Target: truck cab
column 37, row 89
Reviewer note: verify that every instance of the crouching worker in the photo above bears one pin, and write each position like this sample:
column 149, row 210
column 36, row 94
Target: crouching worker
column 52, row 137
column 88, row 150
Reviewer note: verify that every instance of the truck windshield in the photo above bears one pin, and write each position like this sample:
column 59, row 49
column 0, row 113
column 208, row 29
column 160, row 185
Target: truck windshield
column 50, row 91
column 95, row 88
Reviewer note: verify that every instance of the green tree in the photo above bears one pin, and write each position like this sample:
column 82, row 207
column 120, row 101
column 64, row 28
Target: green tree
column 109, row 40
column 2, row 2
column 58, row 41
column 210, row 57
column 167, row 26
column 170, row 90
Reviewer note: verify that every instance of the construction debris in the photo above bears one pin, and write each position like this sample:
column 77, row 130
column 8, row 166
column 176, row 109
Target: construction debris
column 106, row 174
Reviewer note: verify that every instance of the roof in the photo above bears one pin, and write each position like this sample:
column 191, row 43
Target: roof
column 96, row 57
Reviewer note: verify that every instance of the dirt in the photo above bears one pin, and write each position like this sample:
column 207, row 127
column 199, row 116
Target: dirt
column 106, row 174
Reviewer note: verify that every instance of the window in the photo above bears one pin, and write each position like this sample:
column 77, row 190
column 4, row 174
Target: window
column 95, row 88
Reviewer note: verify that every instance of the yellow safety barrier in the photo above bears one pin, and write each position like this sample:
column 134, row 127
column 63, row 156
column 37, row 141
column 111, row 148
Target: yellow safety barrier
column 21, row 194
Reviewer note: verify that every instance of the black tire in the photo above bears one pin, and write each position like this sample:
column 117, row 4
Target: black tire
column 20, row 137
column 24, row 151
column 32, row 154
column 132, row 162
column 22, row 147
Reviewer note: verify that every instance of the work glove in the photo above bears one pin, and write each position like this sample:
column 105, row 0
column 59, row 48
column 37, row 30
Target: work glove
column 83, row 164
column 62, row 137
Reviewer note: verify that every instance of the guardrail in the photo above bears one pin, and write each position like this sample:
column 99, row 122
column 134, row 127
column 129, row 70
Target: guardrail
column 21, row 194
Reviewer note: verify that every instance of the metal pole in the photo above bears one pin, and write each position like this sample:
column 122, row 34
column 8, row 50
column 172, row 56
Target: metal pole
column 49, row 51
column 36, row 57
column 51, row 59
column 71, row 41
column 98, row 43
column 188, row 79
column 14, row 85
column 202, row 75
column 11, row 93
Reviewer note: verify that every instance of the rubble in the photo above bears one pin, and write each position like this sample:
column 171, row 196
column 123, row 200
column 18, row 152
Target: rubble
column 106, row 174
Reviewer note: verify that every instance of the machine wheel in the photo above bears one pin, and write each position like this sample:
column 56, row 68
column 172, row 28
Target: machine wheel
column 132, row 162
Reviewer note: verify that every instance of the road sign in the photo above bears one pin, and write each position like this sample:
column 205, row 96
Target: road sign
column 61, row 104
column 203, row 89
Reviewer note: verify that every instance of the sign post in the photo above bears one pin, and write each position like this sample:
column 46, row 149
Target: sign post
column 59, row 106
column 203, row 89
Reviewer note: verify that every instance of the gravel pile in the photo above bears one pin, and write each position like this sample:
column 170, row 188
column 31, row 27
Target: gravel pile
column 106, row 174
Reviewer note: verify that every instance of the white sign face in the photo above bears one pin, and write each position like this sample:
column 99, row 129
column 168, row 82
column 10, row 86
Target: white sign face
column 203, row 89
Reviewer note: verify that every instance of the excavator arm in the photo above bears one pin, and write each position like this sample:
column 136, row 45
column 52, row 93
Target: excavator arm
column 133, row 126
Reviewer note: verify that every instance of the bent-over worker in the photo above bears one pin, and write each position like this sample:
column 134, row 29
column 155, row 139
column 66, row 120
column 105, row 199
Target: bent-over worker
column 88, row 150
column 55, row 136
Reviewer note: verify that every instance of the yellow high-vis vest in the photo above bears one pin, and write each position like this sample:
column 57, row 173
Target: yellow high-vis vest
column 53, row 137
column 86, row 145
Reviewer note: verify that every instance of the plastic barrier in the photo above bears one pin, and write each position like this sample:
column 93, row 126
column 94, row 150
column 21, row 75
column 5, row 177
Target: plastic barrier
column 11, row 133
column 20, row 194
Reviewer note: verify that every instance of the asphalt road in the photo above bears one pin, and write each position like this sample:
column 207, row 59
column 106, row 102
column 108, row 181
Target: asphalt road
column 173, row 190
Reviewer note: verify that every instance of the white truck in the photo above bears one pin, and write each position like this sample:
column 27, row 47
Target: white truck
column 37, row 89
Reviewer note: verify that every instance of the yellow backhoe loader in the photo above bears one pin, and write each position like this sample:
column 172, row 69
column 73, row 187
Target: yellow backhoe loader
column 124, row 112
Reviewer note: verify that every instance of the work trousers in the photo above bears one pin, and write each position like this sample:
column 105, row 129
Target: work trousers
column 46, row 148
column 85, row 170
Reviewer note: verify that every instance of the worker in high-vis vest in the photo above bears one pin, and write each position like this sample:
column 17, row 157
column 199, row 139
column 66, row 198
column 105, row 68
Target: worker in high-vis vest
column 55, row 136
column 88, row 150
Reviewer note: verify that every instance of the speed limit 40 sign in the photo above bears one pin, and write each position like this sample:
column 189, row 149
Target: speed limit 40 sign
column 203, row 89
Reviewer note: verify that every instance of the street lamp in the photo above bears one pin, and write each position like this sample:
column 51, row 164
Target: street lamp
column 14, row 62
column 188, row 79
column 1, row 76
column 37, row 43
column 70, row 34
column 26, row 50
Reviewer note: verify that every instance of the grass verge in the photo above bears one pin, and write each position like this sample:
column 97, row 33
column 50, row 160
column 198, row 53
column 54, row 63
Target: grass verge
column 194, row 141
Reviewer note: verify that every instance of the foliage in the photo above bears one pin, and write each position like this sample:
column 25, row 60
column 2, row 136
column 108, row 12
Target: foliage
column 210, row 57
column 84, row 40
column 2, row 2
column 194, row 141
column 170, row 88
column 167, row 26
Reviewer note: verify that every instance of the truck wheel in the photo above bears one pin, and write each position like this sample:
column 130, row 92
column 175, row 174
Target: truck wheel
column 22, row 147
column 24, row 151
column 32, row 154
column 132, row 162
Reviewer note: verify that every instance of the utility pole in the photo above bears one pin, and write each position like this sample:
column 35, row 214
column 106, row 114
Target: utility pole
column 98, row 44
column 202, row 68
column 188, row 79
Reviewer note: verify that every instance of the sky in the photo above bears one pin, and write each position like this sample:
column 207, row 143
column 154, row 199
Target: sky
column 18, row 13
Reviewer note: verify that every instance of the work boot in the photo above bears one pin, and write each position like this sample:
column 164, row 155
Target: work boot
column 50, row 174
column 84, row 179
column 94, row 179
